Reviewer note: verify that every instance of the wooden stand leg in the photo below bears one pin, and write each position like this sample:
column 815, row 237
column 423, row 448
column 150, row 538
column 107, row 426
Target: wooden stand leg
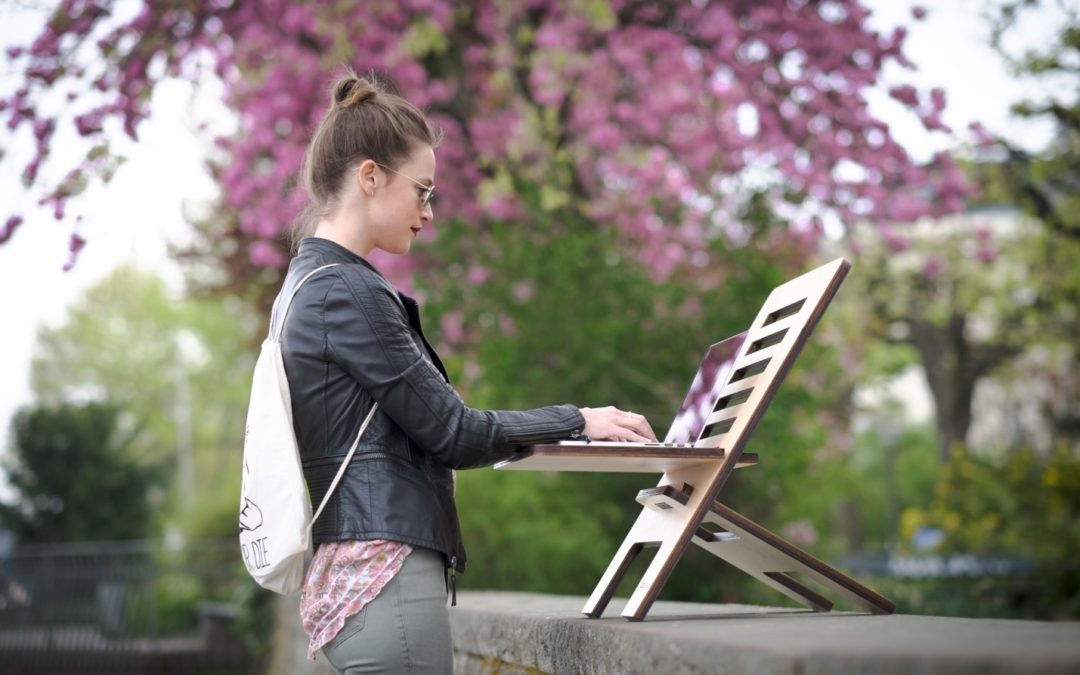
column 613, row 576
column 773, row 561
column 648, row 589
column 647, row 532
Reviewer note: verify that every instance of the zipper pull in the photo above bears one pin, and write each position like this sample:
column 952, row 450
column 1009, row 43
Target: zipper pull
column 453, row 581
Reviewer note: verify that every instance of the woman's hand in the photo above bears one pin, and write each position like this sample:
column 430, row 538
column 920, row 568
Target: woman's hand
column 612, row 424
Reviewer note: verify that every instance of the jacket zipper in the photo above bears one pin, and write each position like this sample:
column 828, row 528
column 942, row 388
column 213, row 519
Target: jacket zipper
column 530, row 437
column 453, row 580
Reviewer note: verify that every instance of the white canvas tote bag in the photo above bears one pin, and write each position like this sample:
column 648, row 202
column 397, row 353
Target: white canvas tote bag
column 275, row 508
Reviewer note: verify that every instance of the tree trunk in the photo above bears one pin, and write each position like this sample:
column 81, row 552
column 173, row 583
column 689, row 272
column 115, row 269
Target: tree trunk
column 954, row 366
column 947, row 359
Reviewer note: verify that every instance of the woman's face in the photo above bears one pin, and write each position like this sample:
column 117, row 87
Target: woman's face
column 397, row 208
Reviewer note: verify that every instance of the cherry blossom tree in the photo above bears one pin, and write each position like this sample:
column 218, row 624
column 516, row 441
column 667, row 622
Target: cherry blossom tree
column 661, row 120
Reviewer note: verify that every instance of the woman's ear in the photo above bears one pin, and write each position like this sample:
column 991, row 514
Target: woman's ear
column 367, row 177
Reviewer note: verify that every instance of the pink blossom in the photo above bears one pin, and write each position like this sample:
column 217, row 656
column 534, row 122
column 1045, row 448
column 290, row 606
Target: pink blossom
column 983, row 138
column 802, row 532
column 507, row 326
column 892, row 240
column 504, row 208
column 43, row 128
column 523, row 291
column 933, row 122
column 13, row 222
column 937, row 98
column 477, row 275
column 75, row 244
column 30, row 171
column 451, row 327
column 265, row 254
column 933, row 267
column 644, row 115
column 604, row 137
column 906, row 94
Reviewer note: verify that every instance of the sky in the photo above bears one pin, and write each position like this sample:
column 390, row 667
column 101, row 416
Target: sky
column 143, row 208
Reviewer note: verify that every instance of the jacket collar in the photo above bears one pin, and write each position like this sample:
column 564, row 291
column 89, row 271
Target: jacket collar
column 325, row 251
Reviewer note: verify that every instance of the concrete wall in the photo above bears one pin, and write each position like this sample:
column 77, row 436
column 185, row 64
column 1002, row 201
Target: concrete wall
column 519, row 633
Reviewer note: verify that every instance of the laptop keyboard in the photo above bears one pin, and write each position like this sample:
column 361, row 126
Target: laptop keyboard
column 635, row 444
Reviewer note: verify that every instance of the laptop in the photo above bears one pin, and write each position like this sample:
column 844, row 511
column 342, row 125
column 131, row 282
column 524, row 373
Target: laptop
column 689, row 426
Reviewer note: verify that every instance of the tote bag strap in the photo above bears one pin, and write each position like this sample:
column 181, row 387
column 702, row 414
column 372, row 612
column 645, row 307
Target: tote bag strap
column 288, row 303
column 363, row 427
column 344, row 465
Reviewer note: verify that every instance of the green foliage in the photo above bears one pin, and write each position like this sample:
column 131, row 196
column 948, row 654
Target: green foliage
column 255, row 621
column 1022, row 503
column 1025, row 504
column 888, row 473
column 536, row 532
column 1044, row 184
column 75, row 477
column 977, row 597
column 177, row 596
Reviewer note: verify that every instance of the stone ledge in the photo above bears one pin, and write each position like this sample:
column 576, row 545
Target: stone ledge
column 511, row 633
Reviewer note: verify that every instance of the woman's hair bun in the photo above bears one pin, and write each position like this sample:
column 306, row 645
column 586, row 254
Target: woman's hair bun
column 352, row 90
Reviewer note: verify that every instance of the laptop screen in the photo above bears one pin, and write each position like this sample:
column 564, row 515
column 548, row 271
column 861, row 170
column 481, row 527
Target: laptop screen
column 711, row 376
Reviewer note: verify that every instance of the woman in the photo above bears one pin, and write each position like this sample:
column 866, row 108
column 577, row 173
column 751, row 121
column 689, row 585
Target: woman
column 375, row 596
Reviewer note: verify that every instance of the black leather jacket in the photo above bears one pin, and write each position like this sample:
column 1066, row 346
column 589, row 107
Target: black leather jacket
column 350, row 339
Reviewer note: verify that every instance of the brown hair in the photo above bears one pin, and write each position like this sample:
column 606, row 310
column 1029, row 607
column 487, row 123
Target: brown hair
column 367, row 119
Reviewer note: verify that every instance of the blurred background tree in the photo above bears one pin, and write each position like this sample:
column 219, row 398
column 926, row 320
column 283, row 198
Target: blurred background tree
column 75, row 478
column 180, row 368
column 1046, row 184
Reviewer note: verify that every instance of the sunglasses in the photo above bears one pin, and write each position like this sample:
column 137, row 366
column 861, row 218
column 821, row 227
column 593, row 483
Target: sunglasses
column 426, row 191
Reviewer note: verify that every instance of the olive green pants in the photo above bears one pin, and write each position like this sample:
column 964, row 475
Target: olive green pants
column 405, row 629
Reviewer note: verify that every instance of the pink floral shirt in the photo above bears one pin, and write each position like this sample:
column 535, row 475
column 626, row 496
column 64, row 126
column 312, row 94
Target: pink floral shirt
column 343, row 577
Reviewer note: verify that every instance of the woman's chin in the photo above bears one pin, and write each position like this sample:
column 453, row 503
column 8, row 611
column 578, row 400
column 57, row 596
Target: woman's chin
column 396, row 249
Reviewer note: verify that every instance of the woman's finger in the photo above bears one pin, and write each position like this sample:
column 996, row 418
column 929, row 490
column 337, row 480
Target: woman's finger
column 645, row 429
column 639, row 425
column 631, row 435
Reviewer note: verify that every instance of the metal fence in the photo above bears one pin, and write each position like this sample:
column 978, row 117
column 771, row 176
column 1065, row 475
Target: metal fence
column 120, row 607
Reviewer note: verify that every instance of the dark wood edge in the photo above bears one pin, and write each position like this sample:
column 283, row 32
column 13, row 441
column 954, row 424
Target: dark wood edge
column 818, row 602
column 583, row 452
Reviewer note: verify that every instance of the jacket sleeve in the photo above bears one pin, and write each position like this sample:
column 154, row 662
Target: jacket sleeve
column 368, row 335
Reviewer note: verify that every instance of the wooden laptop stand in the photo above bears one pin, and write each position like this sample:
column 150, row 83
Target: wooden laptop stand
column 683, row 508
